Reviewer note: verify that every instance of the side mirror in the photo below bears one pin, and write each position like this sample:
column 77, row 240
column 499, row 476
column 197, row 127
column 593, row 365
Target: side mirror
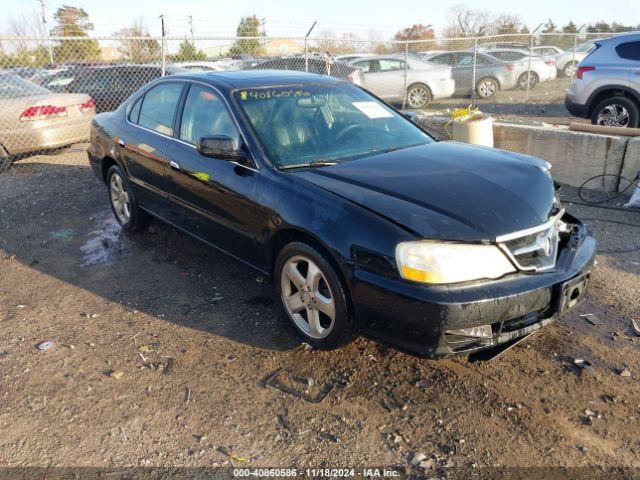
column 222, row 147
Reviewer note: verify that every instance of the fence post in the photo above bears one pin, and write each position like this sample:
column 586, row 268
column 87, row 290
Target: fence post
column 473, row 76
column 575, row 44
column 530, row 57
column 406, row 62
column 306, row 55
column 163, row 49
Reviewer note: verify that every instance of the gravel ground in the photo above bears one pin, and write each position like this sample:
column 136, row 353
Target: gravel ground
column 163, row 348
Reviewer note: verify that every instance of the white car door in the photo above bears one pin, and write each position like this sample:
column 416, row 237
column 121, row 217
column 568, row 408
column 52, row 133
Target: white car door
column 383, row 77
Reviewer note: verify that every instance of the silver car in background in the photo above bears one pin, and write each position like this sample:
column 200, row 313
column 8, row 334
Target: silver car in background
column 606, row 88
column 384, row 76
column 538, row 69
column 34, row 118
column 491, row 74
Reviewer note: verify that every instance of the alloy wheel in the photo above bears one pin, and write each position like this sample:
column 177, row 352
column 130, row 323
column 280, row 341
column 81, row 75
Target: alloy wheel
column 120, row 198
column 307, row 297
column 486, row 88
column 613, row 115
column 418, row 96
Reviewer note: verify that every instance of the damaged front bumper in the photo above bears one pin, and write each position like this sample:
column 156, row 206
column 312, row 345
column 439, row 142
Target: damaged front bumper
column 431, row 320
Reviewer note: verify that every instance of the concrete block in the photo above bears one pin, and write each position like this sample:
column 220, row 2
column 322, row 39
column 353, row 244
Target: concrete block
column 631, row 163
column 575, row 156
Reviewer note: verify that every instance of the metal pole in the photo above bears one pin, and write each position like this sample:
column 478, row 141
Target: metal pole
column 46, row 29
column 473, row 77
column 531, row 55
column 163, row 49
column 575, row 44
column 190, row 17
column 406, row 62
column 306, row 47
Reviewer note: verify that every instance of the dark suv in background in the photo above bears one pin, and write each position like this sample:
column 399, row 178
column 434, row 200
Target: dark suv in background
column 109, row 86
column 606, row 88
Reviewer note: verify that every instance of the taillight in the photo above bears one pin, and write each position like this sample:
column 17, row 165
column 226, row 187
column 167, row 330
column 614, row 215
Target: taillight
column 581, row 70
column 42, row 112
column 510, row 67
column 88, row 105
column 550, row 62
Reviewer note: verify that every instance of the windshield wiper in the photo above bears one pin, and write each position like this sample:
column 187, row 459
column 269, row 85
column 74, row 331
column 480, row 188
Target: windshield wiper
column 315, row 163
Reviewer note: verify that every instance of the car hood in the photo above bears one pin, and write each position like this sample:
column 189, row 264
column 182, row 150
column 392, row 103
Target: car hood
column 446, row 190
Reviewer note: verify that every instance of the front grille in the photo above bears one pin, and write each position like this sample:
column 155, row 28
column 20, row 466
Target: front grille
column 534, row 249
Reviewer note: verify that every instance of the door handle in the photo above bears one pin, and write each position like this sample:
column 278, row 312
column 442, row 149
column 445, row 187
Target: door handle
column 174, row 165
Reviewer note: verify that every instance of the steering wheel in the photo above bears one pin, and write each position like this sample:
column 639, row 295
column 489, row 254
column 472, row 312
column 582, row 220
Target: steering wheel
column 348, row 129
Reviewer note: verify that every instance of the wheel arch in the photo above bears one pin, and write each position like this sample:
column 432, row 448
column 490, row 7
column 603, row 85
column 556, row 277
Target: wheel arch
column 291, row 234
column 603, row 93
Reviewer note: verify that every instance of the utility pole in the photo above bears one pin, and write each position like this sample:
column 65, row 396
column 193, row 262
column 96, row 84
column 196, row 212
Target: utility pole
column 190, row 17
column 163, row 52
column 43, row 14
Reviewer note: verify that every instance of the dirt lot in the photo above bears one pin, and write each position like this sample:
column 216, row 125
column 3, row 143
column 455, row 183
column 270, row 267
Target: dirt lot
column 162, row 349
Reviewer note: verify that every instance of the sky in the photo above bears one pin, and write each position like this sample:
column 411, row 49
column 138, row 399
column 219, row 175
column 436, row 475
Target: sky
column 293, row 17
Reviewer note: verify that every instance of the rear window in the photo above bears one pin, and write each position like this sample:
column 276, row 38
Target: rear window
column 12, row 86
column 629, row 50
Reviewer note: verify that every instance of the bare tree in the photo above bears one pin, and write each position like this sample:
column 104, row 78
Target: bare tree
column 139, row 46
column 464, row 22
column 506, row 23
column 24, row 26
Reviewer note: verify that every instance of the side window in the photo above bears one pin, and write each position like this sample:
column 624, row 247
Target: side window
column 205, row 114
column 134, row 114
column 389, row 65
column 95, row 81
column 364, row 66
column 468, row 60
column 158, row 107
column 629, row 51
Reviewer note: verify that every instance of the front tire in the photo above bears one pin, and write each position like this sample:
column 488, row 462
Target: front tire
column 419, row 96
column 616, row 112
column 123, row 202
column 313, row 297
column 487, row 87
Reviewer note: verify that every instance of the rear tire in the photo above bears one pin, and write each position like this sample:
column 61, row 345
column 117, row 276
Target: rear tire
column 5, row 160
column 616, row 112
column 487, row 87
column 533, row 79
column 310, row 288
column 569, row 70
column 123, row 202
column 419, row 96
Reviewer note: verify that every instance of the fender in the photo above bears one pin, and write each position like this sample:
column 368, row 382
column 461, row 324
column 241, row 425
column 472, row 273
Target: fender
column 630, row 91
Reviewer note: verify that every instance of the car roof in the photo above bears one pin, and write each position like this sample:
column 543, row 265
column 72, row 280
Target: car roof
column 256, row 78
column 623, row 37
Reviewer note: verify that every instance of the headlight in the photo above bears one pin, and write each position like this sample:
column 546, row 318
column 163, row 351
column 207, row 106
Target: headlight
column 432, row 262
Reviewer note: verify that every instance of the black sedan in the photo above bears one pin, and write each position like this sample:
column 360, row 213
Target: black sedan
column 365, row 222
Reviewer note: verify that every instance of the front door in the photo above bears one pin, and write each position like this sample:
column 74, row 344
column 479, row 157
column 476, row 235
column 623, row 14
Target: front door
column 215, row 197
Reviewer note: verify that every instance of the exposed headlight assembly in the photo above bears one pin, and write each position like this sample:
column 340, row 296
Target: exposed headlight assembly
column 438, row 263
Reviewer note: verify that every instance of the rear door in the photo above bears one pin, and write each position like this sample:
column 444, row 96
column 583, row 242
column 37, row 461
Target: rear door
column 629, row 52
column 215, row 197
column 148, row 129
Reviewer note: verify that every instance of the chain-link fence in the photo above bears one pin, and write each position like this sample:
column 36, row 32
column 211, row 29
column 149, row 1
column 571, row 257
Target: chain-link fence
column 50, row 88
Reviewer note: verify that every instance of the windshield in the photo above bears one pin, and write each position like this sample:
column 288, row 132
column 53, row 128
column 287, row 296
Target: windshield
column 585, row 47
column 12, row 86
column 300, row 124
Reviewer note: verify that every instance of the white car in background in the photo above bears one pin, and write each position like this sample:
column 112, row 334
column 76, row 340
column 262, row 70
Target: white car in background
column 548, row 52
column 384, row 76
column 567, row 62
column 200, row 66
column 541, row 70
